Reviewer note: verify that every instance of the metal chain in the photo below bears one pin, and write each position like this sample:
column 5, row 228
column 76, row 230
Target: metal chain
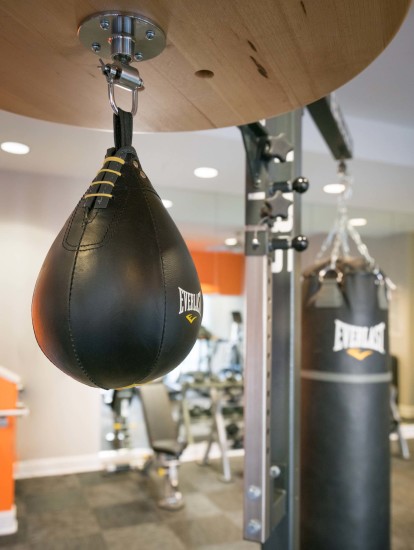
column 362, row 247
column 338, row 236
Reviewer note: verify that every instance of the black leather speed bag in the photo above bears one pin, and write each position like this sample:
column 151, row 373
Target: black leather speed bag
column 345, row 424
column 118, row 300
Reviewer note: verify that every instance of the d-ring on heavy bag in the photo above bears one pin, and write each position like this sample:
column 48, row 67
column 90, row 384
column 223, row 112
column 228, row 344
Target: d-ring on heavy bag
column 345, row 465
column 118, row 300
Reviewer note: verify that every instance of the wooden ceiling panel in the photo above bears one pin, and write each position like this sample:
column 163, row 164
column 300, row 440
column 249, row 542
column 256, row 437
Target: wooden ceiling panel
column 267, row 56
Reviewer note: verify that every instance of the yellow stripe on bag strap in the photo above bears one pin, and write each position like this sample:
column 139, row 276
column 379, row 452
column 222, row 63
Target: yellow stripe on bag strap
column 104, row 182
column 109, row 170
column 114, row 159
column 98, row 195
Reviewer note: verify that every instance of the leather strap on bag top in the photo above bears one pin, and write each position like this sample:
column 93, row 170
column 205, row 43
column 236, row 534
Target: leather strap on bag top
column 122, row 129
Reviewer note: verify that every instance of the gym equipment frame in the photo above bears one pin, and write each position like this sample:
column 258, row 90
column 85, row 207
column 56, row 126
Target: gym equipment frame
column 272, row 360
column 272, row 334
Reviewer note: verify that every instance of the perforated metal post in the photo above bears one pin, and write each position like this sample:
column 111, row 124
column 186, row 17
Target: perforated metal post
column 272, row 371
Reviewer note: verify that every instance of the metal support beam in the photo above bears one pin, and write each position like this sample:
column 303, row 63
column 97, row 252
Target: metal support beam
column 328, row 117
column 272, row 365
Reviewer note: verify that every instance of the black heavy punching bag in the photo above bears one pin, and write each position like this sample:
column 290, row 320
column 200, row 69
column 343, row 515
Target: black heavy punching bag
column 345, row 465
column 118, row 300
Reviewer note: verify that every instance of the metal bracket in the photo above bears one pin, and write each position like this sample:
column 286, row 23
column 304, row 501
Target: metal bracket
column 125, row 38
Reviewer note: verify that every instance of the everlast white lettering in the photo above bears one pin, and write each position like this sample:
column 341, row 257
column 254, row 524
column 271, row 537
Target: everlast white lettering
column 352, row 336
column 189, row 301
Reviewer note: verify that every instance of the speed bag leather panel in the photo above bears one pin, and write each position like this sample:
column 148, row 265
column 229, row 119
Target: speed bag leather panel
column 118, row 300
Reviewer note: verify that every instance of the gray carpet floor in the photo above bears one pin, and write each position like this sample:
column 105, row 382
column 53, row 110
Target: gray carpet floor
column 95, row 511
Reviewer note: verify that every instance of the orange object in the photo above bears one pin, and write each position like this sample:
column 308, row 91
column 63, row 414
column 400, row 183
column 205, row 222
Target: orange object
column 220, row 272
column 8, row 402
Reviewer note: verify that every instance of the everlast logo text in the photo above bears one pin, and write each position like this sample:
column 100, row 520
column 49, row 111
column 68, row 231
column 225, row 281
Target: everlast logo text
column 189, row 301
column 351, row 336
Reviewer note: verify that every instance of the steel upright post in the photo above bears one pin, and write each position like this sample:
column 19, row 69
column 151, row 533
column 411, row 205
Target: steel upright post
column 272, row 365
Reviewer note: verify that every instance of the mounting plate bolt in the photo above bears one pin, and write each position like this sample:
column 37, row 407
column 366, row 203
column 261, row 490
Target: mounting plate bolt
column 254, row 492
column 150, row 34
column 275, row 471
column 253, row 527
column 96, row 47
column 139, row 56
column 104, row 24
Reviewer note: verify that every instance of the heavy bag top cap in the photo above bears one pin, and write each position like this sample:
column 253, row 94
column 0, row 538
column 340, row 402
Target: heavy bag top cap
column 118, row 300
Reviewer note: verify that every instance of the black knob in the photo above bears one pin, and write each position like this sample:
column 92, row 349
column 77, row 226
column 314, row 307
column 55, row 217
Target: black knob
column 300, row 243
column 300, row 185
column 276, row 147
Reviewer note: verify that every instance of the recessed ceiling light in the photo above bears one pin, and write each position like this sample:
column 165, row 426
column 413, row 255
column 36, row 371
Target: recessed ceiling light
column 205, row 172
column 167, row 203
column 334, row 188
column 358, row 222
column 231, row 241
column 15, row 148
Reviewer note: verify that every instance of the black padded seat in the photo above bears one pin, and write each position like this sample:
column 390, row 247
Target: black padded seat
column 169, row 447
column 161, row 427
column 163, row 437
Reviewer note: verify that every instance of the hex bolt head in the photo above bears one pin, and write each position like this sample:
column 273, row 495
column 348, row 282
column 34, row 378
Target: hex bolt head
column 104, row 24
column 96, row 47
column 138, row 56
column 150, row 34
column 253, row 527
column 275, row 471
column 254, row 492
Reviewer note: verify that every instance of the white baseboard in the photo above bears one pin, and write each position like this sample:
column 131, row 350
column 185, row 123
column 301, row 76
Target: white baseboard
column 8, row 522
column 105, row 460
column 407, row 430
column 406, row 411
column 60, row 465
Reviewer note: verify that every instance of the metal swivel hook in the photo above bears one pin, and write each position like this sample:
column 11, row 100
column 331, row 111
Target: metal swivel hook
column 123, row 76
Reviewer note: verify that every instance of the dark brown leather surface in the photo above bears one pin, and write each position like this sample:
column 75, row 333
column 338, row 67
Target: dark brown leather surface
column 107, row 301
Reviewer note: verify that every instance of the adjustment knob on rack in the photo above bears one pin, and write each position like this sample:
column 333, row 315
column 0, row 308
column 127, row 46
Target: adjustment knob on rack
column 300, row 243
column 276, row 147
column 300, row 184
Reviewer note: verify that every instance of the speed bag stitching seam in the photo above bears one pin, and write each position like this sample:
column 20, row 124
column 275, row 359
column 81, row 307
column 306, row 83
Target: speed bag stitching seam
column 163, row 278
column 69, row 321
column 110, row 229
column 69, row 226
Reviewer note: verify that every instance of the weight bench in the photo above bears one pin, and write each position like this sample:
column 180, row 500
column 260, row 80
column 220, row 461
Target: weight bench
column 163, row 437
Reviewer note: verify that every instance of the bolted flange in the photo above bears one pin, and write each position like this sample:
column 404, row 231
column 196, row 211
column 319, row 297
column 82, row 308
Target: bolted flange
column 127, row 37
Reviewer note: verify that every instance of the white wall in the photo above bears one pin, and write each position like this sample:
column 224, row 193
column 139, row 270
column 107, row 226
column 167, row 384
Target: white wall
column 64, row 415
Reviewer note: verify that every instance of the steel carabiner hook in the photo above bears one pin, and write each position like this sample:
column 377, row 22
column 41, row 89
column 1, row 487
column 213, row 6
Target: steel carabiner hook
column 124, row 76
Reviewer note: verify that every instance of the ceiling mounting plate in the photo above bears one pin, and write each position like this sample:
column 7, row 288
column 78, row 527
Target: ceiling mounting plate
column 112, row 34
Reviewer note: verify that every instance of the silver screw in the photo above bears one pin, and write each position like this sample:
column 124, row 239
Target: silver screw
column 96, row 47
column 254, row 492
column 135, row 163
column 253, row 527
column 138, row 56
column 150, row 34
column 142, row 174
column 104, row 24
column 275, row 471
